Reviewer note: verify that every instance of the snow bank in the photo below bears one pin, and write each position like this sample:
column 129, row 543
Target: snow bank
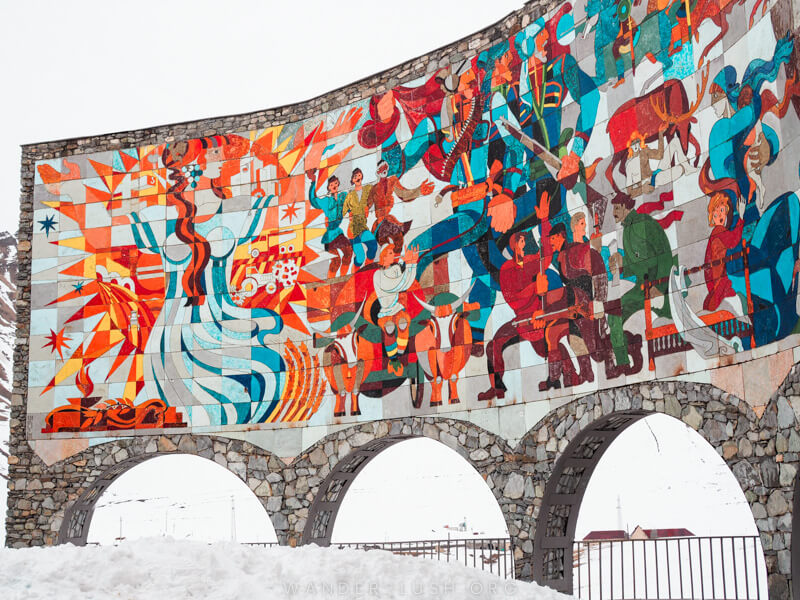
column 157, row 568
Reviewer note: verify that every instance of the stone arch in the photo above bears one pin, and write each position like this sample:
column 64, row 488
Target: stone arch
column 563, row 495
column 91, row 472
column 326, row 469
column 762, row 453
column 326, row 504
column 78, row 515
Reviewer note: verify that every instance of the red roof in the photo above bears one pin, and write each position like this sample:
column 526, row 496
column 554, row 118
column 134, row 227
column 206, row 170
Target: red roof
column 668, row 533
column 611, row 534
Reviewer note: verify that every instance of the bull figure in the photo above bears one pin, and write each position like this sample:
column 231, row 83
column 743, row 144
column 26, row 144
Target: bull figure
column 443, row 347
column 344, row 363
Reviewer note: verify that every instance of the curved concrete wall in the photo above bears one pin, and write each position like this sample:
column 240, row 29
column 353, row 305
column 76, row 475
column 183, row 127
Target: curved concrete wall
column 570, row 201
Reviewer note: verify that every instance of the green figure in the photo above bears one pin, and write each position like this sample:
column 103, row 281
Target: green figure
column 647, row 255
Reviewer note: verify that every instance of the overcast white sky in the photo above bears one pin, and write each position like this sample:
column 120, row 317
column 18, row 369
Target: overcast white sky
column 666, row 476
column 186, row 496
column 88, row 67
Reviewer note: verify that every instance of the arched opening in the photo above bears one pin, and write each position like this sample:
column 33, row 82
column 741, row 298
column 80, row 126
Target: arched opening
column 431, row 493
column 640, row 505
column 416, row 496
column 177, row 495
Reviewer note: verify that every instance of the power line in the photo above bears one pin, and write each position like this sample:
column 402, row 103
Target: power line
column 199, row 501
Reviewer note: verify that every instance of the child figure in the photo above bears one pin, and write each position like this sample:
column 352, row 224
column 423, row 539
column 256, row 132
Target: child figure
column 721, row 240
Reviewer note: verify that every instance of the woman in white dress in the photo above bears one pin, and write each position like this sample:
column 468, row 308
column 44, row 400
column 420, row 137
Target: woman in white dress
column 205, row 353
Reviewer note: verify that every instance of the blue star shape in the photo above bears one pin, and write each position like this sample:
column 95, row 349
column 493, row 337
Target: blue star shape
column 79, row 288
column 48, row 224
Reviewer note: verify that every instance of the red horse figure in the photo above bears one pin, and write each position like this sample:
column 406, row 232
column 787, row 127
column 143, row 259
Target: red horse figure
column 644, row 117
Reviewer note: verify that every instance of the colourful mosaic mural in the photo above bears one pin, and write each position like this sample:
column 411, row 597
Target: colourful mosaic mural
column 608, row 196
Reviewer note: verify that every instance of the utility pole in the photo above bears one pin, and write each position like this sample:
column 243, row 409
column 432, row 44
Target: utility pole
column 233, row 519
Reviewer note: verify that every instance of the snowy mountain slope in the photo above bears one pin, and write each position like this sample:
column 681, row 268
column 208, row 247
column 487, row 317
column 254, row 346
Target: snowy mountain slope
column 8, row 292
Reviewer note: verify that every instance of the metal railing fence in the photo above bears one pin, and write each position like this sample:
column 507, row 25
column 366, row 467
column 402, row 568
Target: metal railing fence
column 713, row 568
column 495, row 555
column 261, row 544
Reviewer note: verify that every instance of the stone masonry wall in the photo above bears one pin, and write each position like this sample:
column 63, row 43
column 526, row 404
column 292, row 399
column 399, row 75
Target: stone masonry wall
column 762, row 453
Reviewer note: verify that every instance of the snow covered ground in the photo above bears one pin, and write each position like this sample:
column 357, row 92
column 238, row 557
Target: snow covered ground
column 163, row 568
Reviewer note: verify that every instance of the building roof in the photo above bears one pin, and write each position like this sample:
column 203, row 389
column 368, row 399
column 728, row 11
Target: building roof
column 638, row 533
column 668, row 533
column 611, row 534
